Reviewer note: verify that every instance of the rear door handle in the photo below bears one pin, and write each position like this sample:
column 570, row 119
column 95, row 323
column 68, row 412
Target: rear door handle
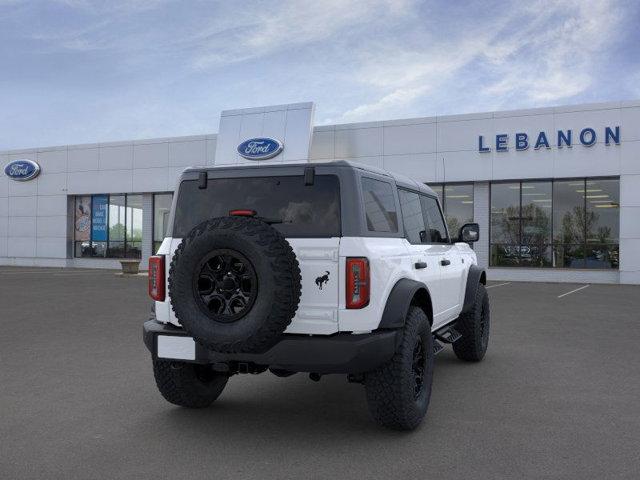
column 444, row 262
column 420, row 265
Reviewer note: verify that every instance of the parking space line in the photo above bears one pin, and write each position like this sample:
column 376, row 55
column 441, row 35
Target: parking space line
column 573, row 291
column 71, row 274
column 21, row 273
column 38, row 270
column 498, row 285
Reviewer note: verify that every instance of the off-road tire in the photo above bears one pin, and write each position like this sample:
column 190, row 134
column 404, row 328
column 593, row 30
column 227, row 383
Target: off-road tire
column 278, row 284
column 188, row 384
column 474, row 327
column 390, row 389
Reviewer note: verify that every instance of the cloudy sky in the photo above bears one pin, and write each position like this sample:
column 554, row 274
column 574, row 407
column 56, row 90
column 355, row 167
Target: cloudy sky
column 80, row 71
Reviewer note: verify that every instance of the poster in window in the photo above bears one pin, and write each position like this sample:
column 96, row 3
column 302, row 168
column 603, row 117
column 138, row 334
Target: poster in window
column 83, row 219
column 99, row 218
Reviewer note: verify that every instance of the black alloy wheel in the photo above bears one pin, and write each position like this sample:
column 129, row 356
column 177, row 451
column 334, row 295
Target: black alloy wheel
column 225, row 285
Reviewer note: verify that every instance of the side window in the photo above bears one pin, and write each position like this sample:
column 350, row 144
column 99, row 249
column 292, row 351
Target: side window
column 379, row 206
column 436, row 231
column 412, row 217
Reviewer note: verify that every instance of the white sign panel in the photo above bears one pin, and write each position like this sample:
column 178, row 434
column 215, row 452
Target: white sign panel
column 275, row 134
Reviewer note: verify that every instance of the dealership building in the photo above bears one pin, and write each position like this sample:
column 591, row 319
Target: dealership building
column 556, row 190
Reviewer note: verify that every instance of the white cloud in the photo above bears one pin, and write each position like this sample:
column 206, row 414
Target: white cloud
column 554, row 63
column 120, row 6
column 406, row 76
column 397, row 98
column 543, row 52
column 254, row 33
column 215, row 34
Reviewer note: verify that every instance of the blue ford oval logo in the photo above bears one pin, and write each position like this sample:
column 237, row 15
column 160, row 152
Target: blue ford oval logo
column 260, row 148
column 22, row 170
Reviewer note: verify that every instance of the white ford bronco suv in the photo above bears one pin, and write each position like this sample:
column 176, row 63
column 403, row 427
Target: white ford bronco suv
column 319, row 268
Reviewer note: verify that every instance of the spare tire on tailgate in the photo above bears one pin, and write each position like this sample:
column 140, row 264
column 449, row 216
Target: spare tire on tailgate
column 234, row 284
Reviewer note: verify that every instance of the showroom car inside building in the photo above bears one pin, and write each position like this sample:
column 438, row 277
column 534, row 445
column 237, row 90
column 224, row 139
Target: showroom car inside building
column 556, row 191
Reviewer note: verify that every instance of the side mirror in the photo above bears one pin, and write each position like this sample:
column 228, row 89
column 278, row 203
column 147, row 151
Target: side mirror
column 469, row 233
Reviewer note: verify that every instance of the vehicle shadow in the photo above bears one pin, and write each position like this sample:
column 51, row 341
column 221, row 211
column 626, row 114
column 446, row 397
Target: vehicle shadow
column 295, row 407
column 290, row 407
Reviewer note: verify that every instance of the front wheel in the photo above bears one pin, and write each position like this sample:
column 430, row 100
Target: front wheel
column 187, row 384
column 399, row 391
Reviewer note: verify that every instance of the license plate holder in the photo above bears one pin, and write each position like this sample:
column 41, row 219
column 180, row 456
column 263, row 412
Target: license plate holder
column 175, row 347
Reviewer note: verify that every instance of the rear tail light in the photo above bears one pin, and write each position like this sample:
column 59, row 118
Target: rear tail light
column 156, row 278
column 358, row 282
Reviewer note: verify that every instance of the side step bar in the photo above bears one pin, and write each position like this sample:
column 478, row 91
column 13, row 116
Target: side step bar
column 445, row 335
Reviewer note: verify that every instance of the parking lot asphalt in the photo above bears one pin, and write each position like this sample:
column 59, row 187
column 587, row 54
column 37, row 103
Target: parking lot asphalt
column 558, row 396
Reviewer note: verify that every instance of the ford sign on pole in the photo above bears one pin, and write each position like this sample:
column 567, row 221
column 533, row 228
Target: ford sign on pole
column 260, row 148
column 22, row 170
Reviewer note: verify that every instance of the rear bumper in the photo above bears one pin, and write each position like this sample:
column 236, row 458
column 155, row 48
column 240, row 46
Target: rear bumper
column 339, row 353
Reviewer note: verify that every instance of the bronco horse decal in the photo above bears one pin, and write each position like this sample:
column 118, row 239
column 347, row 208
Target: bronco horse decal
column 322, row 279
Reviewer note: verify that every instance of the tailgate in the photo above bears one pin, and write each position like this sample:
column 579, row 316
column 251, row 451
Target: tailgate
column 318, row 309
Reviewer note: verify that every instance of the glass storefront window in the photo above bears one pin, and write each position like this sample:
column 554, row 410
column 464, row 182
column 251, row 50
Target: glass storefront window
column 505, row 224
column 117, row 219
column 161, row 209
column 569, row 223
column 108, row 226
column 568, row 212
column 536, row 200
column 603, row 211
column 134, row 226
column 564, row 224
column 603, row 223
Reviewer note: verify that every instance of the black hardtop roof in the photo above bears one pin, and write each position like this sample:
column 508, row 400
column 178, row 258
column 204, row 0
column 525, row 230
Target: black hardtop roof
column 400, row 180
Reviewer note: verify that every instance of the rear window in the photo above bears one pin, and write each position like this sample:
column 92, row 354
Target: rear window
column 303, row 210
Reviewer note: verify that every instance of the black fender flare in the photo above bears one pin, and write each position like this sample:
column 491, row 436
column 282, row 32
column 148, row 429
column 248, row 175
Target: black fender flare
column 476, row 276
column 400, row 299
